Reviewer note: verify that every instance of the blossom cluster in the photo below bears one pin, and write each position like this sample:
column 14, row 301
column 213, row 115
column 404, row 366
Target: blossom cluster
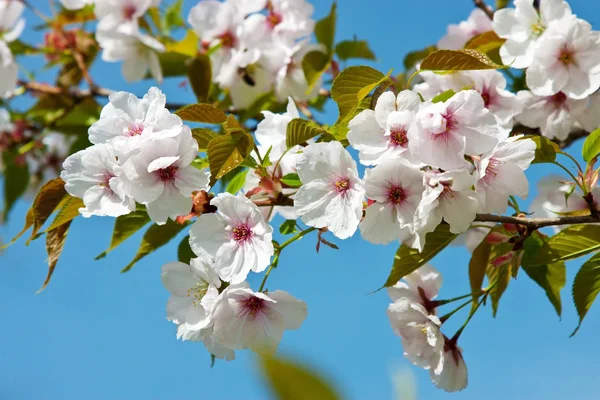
column 11, row 27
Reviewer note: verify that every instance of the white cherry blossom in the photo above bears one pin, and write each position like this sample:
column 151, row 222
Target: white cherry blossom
column 420, row 286
column 11, row 23
column 284, row 20
column 332, row 193
column 160, row 176
column 449, row 371
column 589, row 119
column 217, row 21
column 394, row 189
column 383, row 133
column 555, row 115
column 246, row 319
column 237, row 237
column 95, row 176
column 523, row 26
column 500, row 173
column 458, row 35
column 567, row 59
column 76, row 4
column 122, row 14
column 443, row 133
column 552, row 197
column 272, row 130
column 9, row 71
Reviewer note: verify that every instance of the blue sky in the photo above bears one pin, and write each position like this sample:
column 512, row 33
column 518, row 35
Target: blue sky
column 99, row 334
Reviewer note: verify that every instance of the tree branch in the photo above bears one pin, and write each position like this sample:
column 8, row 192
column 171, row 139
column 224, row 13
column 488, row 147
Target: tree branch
column 485, row 8
column 536, row 223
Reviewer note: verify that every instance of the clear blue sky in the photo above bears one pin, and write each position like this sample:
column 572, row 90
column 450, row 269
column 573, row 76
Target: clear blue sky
column 97, row 334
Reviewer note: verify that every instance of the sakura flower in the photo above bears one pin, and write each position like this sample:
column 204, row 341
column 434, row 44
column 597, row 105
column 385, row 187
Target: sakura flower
column 285, row 19
column 122, row 14
column 160, row 176
column 449, row 196
column 272, row 130
column 395, row 188
column 8, row 71
column 420, row 286
column 555, row 115
column 245, row 78
column 332, row 193
column 11, row 23
column 237, row 237
column 523, row 26
column 500, row 173
column 246, row 319
column 382, row 133
column 553, row 197
column 418, row 330
column 75, row 4
column 589, row 119
column 137, row 51
column 443, row 133
column 127, row 120
column 567, row 59
column 94, row 175
column 458, row 35
column 217, row 21
column 449, row 371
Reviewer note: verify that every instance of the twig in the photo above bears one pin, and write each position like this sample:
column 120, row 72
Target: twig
column 485, row 8
column 536, row 223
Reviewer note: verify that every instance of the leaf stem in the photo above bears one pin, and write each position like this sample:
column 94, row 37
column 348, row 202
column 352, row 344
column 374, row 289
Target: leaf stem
column 445, row 317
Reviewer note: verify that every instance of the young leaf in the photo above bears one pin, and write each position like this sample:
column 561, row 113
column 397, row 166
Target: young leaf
column 188, row 46
column 314, row 65
column 227, row 152
column 174, row 63
column 545, row 151
column 408, row 260
column 552, row 279
column 442, row 97
column 206, row 113
column 203, row 137
column 173, row 17
column 325, row 29
column 125, row 226
column 292, row 180
column 591, row 146
column 200, row 75
column 484, row 39
column 586, row 287
column 184, row 251
column 458, row 60
column 414, row 57
column 354, row 49
column 300, row 130
column 46, row 201
column 55, row 241
column 572, row 242
column 155, row 237
column 68, row 209
column 478, row 266
column 290, row 381
column 16, row 181
column 288, row 227
column 237, row 182
column 501, row 276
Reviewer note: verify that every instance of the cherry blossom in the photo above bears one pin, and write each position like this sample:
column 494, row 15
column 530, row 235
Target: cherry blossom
column 332, row 193
column 284, row 20
column 420, row 286
column 95, row 176
column 75, row 4
column 458, row 35
column 8, row 71
column 553, row 197
column 567, row 59
column 589, row 119
column 123, row 14
column 237, row 237
column 555, row 115
column 449, row 371
column 11, row 23
column 271, row 131
column 160, row 176
column 500, row 173
column 246, row 319
column 523, row 26
column 443, row 133
column 383, row 133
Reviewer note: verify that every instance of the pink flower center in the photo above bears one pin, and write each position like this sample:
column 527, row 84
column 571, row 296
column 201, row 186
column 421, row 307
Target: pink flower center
column 253, row 305
column 342, row 185
column 398, row 137
column 492, row 170
column 486, row 96
column 105, row 183
column 135, row 129
column 396, row 194
column 241, row 233
column 274, row 19
column 167, row 174
column 558, row 100
column 129, row 11
column 227, row 40
column 566, row 56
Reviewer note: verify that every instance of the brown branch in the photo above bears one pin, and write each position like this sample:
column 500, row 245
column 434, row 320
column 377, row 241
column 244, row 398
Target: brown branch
column 563, row 144
column 536, row 223
column 485, row 8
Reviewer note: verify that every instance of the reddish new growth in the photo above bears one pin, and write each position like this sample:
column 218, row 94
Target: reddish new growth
column 241, row 233
column 398, row 137
column 253, row 305
column 167, row 174
column 396, row 194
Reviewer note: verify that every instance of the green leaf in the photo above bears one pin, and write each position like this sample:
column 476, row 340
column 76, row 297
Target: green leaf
column 203, row 137
column 414, row 57
column 16, row 181
column 173, row 17
column 572, row 242
column 325, row 29
column 184, row 251
column 55, row 241
column 351, row 86
column 188, row 46
column 458, row 60
column 173, row 63
column 227, row 152
column 545, row 151
column 68, row 209
column 348, row 49
column 591, row 146
column 200, row 75
column 125, row 227
column 552, row 279
column 501, row 275
column 288, row 227
column 18, row 47
column 237, row 182
column 586, row 287
column 408, row 260
column 488, row 43
column 442, row 97
column 155, row 237
column 46, row 201
column 205, row 113
column 478, row 266
column 290, row 381
column 500, row 4
column 291, row 180
column 314, row 65
column 300, row 130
